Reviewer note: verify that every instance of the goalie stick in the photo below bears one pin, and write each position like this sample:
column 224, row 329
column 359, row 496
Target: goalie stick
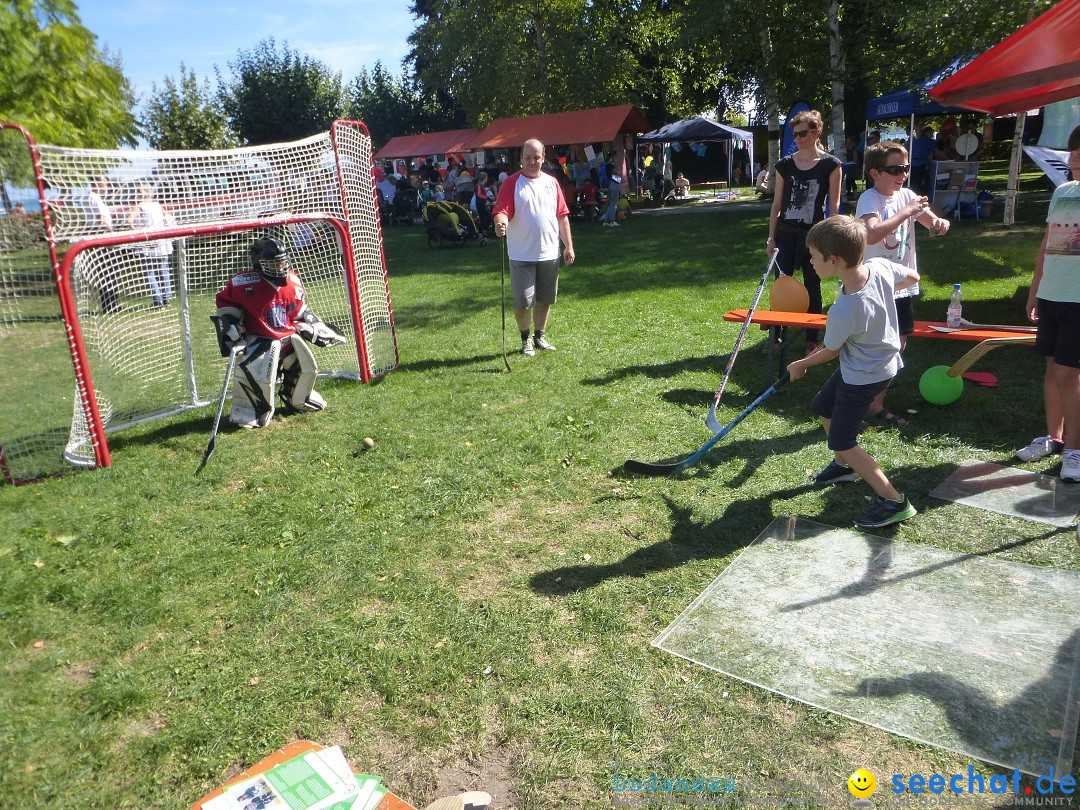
column 646, row 468
column 234, row 352
column 710, row 419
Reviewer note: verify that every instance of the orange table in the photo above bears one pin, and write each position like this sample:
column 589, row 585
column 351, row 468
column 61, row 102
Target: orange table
column 389, row 802
column 809, row 320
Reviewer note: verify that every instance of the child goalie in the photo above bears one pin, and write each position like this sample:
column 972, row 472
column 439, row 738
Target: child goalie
column 264, row 311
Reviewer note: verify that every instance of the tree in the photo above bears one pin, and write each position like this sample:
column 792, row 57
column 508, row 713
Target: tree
column 392, row 106
column 280, row 96
column 55, row 81
column 535, row 56
column 184, row 116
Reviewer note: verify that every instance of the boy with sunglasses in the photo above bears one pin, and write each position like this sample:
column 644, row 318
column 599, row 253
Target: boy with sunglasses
column 888, row 209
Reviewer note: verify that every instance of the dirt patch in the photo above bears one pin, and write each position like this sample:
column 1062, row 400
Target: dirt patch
column 492, row 772
column 141, row 728
column 80, row 673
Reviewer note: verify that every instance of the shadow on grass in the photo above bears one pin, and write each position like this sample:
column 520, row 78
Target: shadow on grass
column 692, row 540
column 967, row 708
column 455, row 362
column 879, row 560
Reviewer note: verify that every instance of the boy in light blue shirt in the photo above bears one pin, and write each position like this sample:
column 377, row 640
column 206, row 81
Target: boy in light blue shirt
column 862, row 330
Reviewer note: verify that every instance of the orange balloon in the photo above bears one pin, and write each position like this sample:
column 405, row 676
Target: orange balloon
column 787, row 294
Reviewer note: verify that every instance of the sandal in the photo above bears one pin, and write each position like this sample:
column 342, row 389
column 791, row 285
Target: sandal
column 887, row 418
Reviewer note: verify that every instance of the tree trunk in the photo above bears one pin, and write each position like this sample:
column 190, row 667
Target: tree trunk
column 1013, row 188
column 772, row 103
column 837, row 69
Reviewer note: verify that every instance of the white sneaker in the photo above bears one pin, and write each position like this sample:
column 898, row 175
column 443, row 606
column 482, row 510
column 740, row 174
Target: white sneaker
column 527, row 347
column 1040, row 448
column 1070, row 466
column 541, row 343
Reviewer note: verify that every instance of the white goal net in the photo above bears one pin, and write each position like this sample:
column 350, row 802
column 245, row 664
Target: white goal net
column 110, row 265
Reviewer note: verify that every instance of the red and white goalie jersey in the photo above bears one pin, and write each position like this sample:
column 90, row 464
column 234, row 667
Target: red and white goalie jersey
column 268, row 310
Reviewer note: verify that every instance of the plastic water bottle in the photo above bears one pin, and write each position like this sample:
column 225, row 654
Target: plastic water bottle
column 956, row 303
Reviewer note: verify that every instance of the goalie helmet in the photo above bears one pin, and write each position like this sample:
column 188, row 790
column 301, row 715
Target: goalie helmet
column 270, row 258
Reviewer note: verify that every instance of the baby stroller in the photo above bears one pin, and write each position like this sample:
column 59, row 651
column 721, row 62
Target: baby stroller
column 404, row 206
column 450, row 222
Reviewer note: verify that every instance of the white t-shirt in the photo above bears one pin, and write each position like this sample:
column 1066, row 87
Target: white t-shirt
column 899, row 246
column 534, row 206
column 1061, row 260
column 151, row 216
column 863, row 326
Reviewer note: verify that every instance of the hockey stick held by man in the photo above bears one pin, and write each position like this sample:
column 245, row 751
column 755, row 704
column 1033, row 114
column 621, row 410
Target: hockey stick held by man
column 265, row 308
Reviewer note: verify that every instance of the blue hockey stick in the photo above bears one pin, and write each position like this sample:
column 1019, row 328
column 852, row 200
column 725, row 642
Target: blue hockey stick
column 645, row 468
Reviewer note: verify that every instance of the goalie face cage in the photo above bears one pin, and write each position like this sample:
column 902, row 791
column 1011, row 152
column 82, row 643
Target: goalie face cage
column 128, row 307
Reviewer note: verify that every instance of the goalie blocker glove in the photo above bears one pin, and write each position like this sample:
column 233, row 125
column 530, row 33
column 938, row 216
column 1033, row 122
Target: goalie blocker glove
column 230, row 329
column 312, row 329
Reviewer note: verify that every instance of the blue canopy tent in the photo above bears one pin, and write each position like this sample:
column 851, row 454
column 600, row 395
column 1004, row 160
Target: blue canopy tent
column 913, row 100
column 698, row 129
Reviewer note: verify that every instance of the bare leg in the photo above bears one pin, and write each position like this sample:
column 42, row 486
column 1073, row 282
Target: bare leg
column 1066, row 383
column 1053, row 391
column 522, row 318
column 540, row 317
column 864, row 464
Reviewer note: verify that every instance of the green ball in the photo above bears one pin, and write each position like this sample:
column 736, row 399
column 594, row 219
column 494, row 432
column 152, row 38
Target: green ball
column 937, row 387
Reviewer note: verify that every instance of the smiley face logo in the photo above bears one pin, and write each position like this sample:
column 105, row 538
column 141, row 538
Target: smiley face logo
column 862, row 783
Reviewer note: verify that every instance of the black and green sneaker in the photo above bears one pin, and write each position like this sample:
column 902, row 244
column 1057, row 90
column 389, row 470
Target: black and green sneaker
column 883, row 512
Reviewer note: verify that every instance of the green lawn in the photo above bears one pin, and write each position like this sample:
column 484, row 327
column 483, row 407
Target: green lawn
column 472, row 600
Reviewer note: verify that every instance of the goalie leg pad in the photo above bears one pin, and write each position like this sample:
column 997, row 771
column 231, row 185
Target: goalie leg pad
column 253, row 387
column 299, row 370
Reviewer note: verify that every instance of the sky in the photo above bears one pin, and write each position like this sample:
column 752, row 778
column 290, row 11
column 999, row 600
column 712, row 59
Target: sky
column 153, row 37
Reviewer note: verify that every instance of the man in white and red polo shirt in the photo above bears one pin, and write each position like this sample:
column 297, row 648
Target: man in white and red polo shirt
column 532, row 214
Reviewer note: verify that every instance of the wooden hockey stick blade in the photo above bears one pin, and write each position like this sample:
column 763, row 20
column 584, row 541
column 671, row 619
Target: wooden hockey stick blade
column 1027, row 330
column 647, row 468
column 988, row 345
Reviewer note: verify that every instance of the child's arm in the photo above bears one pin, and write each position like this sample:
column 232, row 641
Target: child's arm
column 909, row 278
column 821, row 355
column 938, row 226
column 877, row 228
column 1032, row 307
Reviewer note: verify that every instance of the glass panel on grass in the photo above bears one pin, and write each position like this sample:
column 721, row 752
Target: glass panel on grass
column 1009, row 491
column 971, row 654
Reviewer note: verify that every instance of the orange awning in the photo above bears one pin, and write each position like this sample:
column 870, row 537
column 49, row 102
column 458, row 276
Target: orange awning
column 579, row 126
column 1038, row 65
column 431, row 143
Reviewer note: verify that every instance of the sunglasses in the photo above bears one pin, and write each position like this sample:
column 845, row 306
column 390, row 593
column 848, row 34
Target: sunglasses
column 903, row 168
column 802, row 133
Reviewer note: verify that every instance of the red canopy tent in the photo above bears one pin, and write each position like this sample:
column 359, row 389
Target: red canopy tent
column 579, row 126
column 1037, row 65
column 429, row 143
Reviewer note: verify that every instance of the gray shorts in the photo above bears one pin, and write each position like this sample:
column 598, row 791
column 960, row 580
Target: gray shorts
column 534, row 281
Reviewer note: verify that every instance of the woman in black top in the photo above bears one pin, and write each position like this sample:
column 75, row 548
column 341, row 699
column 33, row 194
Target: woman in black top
column 804, row 180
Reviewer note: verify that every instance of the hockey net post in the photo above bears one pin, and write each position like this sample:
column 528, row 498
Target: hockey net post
column 135, row 356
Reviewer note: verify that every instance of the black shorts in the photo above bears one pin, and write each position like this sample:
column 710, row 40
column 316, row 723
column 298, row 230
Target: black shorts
column 845, row 405
column 1059, row 332
column 905, row 315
